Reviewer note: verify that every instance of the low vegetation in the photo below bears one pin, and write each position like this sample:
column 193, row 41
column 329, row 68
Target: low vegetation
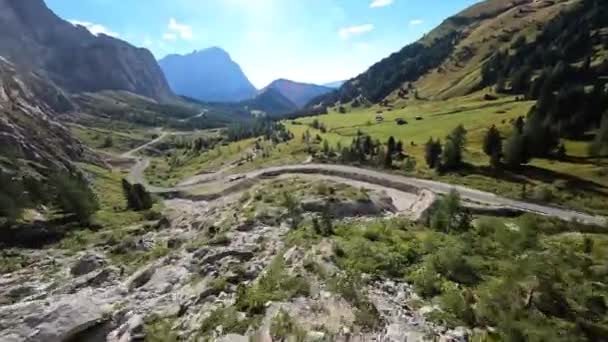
column 531, row 278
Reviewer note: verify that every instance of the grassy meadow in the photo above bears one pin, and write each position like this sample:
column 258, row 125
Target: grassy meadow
column 577, row 181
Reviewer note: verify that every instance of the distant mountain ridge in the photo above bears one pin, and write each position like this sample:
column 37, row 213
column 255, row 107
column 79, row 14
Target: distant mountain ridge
column 207, row 75
column 334, row 85
column 272, row 102
column 298, row 93
column 35, row 39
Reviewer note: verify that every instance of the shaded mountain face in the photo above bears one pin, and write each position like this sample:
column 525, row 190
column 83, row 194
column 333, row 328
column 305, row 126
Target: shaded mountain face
column 298, row 93
column 35, row 39
column 272, row 102
column 207, row 75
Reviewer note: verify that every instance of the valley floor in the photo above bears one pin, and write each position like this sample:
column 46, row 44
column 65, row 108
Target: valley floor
column 244, row 245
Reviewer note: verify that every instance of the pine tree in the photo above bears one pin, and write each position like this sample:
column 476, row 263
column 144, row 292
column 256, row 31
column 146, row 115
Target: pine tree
column 326, row 148
column 388, row 159
column 599, row 146
column 515, row 150
column 454, row 148
column 12, row 198
column 138, row 198
column 432, row 151
column 391, row 145
column 73, row 196
column 108, row 142
column 492, row 145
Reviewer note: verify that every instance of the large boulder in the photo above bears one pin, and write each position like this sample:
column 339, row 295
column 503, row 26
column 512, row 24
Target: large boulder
column 57, row 318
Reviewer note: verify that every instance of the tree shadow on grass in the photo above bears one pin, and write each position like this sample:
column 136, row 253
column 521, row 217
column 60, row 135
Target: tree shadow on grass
column 529, row 172
column 38, row 234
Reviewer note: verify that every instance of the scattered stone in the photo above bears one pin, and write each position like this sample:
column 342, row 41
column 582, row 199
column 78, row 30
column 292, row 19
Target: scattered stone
column 233, row 338
column 86, row 264
column 239, row 254
column 132, row 330
column 141, row 277
column 245, row 226
column 314, row 336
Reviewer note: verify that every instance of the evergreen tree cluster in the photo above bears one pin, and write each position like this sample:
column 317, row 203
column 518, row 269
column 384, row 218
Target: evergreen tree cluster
column 556, row 70
column 138, row 198
column 69, row 193
column 366, row 150
column 567, row 39
column 406, row 65
column 202, row 144
column 271, row 130
column 449, row 156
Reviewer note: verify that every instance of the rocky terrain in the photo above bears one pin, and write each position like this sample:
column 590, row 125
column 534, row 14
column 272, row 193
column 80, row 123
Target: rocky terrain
column 28, row 126
column 217, row 254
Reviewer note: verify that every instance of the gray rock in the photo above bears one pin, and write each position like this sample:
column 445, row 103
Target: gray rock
column 245, row 226
column 239, row 254
column 87, row 264
column 141, row 277
column 58, row 318
column 132, row 330
column 233, row 338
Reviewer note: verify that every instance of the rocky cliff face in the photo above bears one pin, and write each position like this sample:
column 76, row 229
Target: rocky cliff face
column 35, row 39
column 207, row 75
column 28, row 129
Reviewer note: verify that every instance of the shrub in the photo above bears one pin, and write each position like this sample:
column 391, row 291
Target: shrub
column 284, row 328
column 73, row 196
column 426, row 281
column 448, row 215
column 274, row 285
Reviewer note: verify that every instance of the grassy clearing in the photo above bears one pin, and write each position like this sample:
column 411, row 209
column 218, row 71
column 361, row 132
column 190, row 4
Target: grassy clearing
column 111, row 140
column 116, row 223
column 578, row 181
column 181, row 164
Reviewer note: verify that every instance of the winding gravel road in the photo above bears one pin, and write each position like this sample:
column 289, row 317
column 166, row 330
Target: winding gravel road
column 389, row 181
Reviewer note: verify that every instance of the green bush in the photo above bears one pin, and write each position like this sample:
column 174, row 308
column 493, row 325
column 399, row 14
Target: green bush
column 448, row 215
column 138, row 198
column 274, row 285
column 73, row 196
column 284, row 328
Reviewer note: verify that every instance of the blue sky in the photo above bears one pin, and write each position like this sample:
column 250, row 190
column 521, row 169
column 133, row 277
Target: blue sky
column 305, row 40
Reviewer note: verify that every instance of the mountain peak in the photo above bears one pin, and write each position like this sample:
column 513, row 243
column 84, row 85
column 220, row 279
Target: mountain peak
column 208, row 75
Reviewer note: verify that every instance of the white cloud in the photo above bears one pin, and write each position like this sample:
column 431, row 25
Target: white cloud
column 169, row 36
column 95, row 29
column 176, row 29
column 416, row 22
column 381, row 3
column 148, row 42
column 350, row 31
